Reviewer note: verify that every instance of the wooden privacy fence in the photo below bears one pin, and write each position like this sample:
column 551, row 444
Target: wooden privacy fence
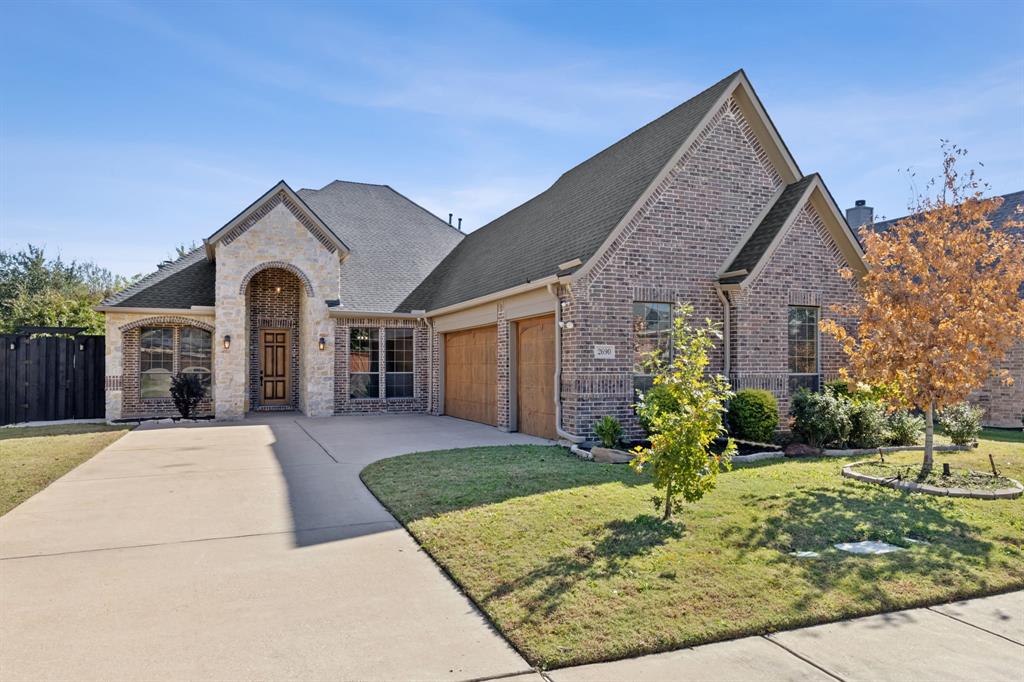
column 51, row 377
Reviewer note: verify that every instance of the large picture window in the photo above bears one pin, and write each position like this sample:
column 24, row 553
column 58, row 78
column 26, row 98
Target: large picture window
column 197, row 355
column 803, row 348
column 652, row 330
column 398, row 363
column 364, row 363
column 156, row 362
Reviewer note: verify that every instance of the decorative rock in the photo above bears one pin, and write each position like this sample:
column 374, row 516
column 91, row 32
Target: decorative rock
column 914, row 541
column 610, row 456
column 801, row 450
column 868, row 547
column 804, row 555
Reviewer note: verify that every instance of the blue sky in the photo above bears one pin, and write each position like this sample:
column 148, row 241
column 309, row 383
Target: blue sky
column 128, row 128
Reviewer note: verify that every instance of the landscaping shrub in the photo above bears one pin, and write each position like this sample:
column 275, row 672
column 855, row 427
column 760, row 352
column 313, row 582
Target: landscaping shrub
column 821, row 419
column 609, row 431
column 658, row 399
column 904, row 428
column 962, row 423
column 867, row 424
column 753, row 415
column 838, row 387
column 187, row 391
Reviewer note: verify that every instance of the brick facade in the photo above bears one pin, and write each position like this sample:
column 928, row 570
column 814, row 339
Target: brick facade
column 1004, row 403
column 671, row 251
column 344, row 404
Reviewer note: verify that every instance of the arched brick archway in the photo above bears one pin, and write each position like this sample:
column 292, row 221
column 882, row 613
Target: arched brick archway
column 158, row 320
column 306, row 284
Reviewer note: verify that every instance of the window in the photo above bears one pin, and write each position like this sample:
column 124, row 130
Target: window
column 364, row 363
column 398, row 363
column 196, row 354
column 803, row 348
column 156, row 362
column 652, row 330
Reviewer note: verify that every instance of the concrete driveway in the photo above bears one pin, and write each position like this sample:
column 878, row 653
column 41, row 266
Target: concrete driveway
column 238, row 551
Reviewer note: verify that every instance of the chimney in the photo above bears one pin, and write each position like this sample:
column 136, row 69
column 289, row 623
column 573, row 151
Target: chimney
column 449, row 218
column 460, row 224
column 860, row 214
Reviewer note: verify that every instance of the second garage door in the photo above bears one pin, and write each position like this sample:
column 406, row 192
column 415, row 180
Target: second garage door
column 535, row 383
column 471, row 374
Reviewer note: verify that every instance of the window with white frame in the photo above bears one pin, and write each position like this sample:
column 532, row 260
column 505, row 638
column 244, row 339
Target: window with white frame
column 364, row 363
column 803, row 348
column 196, row 355
column 652, row 331
column 398, row 363
column 156, row 362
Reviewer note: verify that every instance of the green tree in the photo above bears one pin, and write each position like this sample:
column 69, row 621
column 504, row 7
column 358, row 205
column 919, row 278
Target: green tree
column 680, row 456
column 35, row 291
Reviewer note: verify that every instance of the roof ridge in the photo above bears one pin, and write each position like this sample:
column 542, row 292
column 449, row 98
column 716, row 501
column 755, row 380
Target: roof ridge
column 425, row 210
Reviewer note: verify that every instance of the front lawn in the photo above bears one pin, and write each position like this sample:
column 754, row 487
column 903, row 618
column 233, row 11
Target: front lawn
column 570, row 561
column 32, row 458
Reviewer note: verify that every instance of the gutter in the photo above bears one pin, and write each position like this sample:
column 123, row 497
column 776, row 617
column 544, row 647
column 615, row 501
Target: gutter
column 725, row 336
column 194, row 310
column 333, row 312
column 558, row 368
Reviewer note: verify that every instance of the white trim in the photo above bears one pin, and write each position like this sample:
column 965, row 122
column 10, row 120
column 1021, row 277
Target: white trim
column 497, row 295
column 194, row 310
column 569, row 264
column 363, row 314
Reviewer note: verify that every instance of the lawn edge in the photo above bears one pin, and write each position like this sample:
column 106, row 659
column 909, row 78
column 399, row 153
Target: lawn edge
column 753, row 632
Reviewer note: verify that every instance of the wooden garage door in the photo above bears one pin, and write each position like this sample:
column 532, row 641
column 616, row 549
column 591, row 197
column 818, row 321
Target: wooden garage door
column 471, row 374
column 535, row 388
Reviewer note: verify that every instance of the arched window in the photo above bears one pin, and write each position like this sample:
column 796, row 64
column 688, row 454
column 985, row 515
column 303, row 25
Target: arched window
column 197, row 354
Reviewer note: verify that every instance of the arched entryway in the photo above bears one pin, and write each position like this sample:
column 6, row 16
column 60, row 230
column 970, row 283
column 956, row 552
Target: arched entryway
column 273, row 299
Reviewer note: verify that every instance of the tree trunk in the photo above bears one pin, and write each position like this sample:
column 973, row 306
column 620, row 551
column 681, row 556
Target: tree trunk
column 929, row 436
column 668, row 503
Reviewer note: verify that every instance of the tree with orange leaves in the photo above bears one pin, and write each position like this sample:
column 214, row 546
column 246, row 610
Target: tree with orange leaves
column 940, row 305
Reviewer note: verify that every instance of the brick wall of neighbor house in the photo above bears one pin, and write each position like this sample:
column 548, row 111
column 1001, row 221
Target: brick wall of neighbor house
column 421, row 368
column 121, row 382
column 802, row 271
column 278, row 239
column 671, row 251
column 270, row 309
column 1004, row 404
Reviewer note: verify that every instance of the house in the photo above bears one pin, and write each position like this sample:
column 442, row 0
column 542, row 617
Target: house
column 1003, row 403
column 351, row 298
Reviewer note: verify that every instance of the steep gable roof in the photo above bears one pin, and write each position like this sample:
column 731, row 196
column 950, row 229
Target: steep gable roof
column 569, row 220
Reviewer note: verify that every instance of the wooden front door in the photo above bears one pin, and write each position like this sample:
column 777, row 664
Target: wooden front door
column 471, row 374
column 535, row 384
column 274, row 366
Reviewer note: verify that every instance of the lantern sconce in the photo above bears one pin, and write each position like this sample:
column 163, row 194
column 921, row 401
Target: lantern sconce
column 13, row 345
column 323, row 343
column 277, row 290
column 227, row 341
column 81, row 346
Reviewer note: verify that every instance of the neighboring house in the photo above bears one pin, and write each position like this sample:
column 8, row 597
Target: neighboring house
column 353, row 299
column 1003, row 403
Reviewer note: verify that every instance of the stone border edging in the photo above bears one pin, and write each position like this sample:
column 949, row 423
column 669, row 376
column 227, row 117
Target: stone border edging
column 757, row 456
column 911, row 486
column 893, row 448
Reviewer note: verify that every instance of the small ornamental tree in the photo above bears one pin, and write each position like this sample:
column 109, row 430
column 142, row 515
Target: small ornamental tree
column 682, row 428
column 940, row 304
column 187, row 391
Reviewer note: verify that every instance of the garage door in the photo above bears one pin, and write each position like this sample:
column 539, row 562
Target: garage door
column 535, row 387
column 471, row 375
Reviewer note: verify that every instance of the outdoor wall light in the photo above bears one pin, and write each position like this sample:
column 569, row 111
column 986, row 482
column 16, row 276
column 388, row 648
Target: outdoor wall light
column 12, row 346
column 277, row 290
column 323, row 343
column 227, row 341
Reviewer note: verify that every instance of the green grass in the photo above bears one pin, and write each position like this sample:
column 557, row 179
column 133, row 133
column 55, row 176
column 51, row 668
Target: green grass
column 32, row 458
column 570, row 561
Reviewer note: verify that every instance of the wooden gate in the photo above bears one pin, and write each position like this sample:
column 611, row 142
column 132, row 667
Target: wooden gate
column 50, row 377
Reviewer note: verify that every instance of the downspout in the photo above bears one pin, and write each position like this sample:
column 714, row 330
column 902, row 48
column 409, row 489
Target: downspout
column 558, row 369
column 725, row 337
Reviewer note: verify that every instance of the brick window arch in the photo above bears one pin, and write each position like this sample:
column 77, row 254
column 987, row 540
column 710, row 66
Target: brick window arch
column 280, row 265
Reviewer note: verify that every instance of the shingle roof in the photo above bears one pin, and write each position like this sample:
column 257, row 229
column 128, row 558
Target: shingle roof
column 186, row 282
column 569, row 220
column 394, row 242
column 1012, row 203
column 761, row 238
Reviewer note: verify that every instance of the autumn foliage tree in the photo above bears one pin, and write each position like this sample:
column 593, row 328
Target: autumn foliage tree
column 940, row 305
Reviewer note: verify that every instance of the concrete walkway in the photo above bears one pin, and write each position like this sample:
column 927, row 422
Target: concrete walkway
column 244, row 551
column 253, row 551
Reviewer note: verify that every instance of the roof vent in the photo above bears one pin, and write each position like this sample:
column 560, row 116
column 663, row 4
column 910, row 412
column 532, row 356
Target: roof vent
column 449, row 219
column 859, row 202
column 460, row 224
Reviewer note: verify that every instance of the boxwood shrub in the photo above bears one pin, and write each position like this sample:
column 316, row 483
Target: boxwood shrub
column 753, row 415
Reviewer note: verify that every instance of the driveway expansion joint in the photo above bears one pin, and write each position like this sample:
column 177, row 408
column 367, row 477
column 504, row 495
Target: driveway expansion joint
column 978, row 627
column 802, row 658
